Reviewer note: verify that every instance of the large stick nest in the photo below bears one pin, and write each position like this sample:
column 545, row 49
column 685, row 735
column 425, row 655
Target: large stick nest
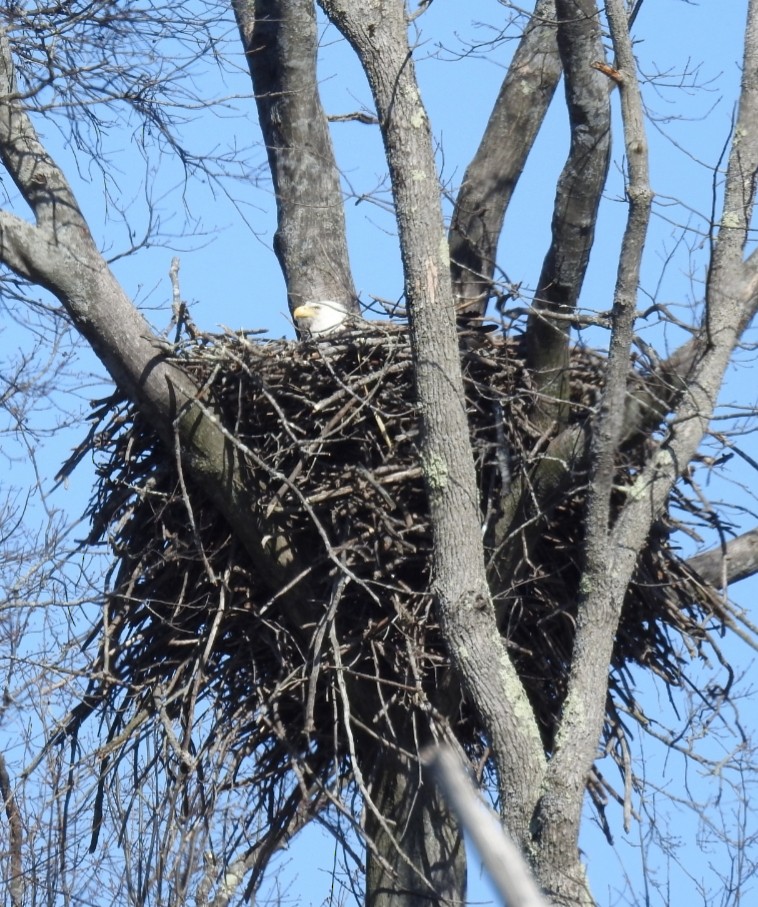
column 329, row 438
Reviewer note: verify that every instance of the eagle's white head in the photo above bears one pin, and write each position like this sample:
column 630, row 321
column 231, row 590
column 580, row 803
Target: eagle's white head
column 319, row 318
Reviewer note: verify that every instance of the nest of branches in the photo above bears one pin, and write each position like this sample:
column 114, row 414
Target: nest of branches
column 315, row 661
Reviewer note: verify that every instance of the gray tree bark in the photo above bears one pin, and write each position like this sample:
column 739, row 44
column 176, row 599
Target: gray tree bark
column 729, row 563
column 580, row 187
column 415, row 855
column 541, row 799
column 280, row 41
column 59, row 254
column 378, row 32
column 493, row 174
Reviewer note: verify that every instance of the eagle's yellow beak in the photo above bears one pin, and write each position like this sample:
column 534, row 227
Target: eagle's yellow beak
column 319, row 318
column 304, row 311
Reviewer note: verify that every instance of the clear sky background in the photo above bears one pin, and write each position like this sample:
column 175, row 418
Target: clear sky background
column 222, row 230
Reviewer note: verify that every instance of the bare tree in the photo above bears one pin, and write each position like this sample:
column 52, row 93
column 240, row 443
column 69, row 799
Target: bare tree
column 479, row 573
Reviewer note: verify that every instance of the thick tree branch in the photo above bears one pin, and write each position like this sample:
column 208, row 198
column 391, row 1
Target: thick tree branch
column 280, row 41
column 495, row 169
column 611, row 556
column 601, row 590
column 576, row 204
column 377, row 30
column 729, row 563
column 38, row 178
column 731, row 303
column 60, row 255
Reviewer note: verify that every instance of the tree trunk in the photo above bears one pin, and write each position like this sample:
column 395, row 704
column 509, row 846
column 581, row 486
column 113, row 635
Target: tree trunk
column 415, row 850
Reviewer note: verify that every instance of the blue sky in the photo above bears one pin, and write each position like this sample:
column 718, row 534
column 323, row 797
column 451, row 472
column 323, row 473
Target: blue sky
column 222, row 233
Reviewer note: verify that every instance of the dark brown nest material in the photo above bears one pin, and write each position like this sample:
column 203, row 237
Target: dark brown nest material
column 193, row 636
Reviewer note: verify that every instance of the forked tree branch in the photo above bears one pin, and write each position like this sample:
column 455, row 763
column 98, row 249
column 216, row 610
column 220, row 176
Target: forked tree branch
column 493, row 174
column 731, row 303
column 611, row 555
column 602, row 591
column 377, row 30
column 577, row 200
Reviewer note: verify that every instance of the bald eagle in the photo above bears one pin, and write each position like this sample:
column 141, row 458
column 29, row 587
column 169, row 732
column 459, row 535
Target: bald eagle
column 317, row 319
